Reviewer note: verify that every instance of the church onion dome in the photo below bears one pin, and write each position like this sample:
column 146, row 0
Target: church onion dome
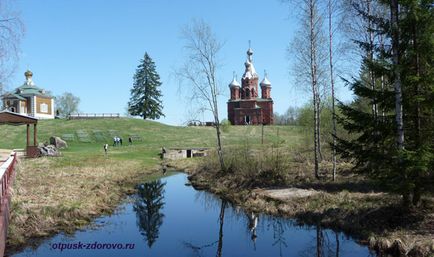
column 234, row 83
column 250, row 51
column 28, row 73
column 265, row 82
column 250, row 71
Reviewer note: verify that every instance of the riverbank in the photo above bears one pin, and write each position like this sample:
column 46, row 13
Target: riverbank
column 351, row 205
column 50, row 197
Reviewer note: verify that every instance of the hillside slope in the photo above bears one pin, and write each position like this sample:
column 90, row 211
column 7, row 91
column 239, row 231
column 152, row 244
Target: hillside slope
column 85, row 136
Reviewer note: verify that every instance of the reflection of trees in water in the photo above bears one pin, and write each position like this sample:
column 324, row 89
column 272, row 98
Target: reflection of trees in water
column 326, row 244
column 208, row 200
column 278, row 234
column 221, row 219
column 197, row 249
column 148, row 206
column 252, row 219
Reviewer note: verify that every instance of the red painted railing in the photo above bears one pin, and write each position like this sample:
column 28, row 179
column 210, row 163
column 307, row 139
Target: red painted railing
column 7, row 175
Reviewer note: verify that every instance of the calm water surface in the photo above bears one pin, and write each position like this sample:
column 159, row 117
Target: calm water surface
column 167, row 218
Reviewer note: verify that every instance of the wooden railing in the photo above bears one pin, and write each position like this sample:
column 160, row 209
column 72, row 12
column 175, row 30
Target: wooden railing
column 93, row 116
column 7, row 175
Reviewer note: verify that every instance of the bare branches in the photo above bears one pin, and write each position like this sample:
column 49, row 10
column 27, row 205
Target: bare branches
column 11, row 32
column 199, row 72
column 310, row 52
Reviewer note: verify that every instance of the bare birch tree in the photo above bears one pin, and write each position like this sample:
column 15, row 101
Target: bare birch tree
column 310, row 63
column 11, row 32
column 331, row 7
column 200, row 71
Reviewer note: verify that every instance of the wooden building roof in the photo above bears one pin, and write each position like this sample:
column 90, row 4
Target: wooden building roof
column 12, row 118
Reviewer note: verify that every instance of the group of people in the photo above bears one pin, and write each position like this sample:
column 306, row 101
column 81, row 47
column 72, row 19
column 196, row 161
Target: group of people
column 117, row 141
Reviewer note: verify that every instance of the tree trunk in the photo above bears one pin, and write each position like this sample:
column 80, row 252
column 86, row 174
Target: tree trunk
column 219, row 142
column 371, row 56
column 314, row 84
column 394, row 11
column 417, row 189
column 416, row 195
column 418, row 70
column 381, row 41
column 318, row 118
column 332, row 83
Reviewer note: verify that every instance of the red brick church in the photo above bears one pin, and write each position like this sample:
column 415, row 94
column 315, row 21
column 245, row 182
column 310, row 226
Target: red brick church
column 245, row 107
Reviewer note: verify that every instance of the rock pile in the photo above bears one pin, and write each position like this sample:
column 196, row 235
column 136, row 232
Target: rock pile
column 48, row 150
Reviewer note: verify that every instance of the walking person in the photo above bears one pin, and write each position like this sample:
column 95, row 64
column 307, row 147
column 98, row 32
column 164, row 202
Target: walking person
column 130, row 140
column 105, row 149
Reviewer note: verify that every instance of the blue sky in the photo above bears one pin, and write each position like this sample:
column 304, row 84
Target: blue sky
column 92, row 48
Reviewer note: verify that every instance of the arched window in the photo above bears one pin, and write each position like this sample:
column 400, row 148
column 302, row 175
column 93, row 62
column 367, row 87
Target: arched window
column 247, row 92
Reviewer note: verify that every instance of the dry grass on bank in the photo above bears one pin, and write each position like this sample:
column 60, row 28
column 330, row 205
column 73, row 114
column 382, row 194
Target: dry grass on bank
column 48, row 198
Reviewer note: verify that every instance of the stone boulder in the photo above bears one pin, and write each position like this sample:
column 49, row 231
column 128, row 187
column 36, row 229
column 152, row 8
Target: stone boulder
column 58, row 142
column 49, row 150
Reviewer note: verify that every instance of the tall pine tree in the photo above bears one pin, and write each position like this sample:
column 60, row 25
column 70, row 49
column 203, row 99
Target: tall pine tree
column 145, row 100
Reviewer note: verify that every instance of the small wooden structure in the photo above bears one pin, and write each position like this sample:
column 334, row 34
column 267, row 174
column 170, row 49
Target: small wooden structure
column 11, row 118
column 181, row 153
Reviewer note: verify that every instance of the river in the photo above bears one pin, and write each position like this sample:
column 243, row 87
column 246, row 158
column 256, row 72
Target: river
column 168, row 218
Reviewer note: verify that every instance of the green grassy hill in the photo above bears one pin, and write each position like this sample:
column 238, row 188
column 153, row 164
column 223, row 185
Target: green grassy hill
column 86, row 137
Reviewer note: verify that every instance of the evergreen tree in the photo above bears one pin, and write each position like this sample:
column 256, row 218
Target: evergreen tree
column 378, row 147
column 417, row 66
column 145, row 100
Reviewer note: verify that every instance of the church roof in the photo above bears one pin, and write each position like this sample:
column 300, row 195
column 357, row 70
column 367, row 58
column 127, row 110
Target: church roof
column 27, row 89
column 250, row 71
column 13, row 95
column 265, row 82
column 234, row 83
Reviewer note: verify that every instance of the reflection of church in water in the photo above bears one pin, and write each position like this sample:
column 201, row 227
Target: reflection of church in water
column 244, row 106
